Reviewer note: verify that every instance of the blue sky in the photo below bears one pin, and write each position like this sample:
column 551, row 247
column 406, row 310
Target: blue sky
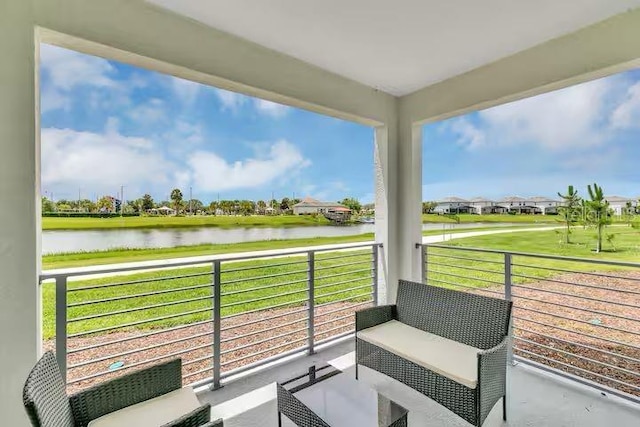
column 538, row 146
column 107, row 124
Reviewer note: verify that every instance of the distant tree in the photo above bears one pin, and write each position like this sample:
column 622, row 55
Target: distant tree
column 352, row 204
column 176, row 198
column 147, row 202
column 598, row 214
column 86, row 205
column 284, row 204
column 133, row 206
column 247, row 207
column 105, row 204
column 295, row 201
column 163, row 203
column 48, row 205
column 274, row 204
column 195, row 205
column 629, row 213
column 569, row 211
column 226, row 206
column 213, row 207
column 428, row 207
column 261, row 205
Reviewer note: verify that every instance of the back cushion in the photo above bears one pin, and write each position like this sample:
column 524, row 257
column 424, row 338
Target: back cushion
column 475, row 320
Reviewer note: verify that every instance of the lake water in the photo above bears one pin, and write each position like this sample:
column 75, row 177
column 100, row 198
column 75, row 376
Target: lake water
column 91, row 240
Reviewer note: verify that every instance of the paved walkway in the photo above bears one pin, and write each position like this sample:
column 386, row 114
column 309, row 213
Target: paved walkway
column 108, row 270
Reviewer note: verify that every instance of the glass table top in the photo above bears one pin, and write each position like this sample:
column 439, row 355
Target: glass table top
column 341, row 400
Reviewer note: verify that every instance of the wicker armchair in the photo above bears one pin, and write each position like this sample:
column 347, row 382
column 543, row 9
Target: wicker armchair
column 47, row 404
column 477, row 321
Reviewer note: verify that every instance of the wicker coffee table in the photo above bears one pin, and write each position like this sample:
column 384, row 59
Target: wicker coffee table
column 326, row 397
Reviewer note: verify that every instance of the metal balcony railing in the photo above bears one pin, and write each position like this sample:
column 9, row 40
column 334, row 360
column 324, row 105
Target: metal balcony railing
column 579, row 318
column 221, row 314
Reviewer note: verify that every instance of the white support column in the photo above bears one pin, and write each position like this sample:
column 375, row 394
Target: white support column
column 398, row 163
column 19, row 249
column 410, row 199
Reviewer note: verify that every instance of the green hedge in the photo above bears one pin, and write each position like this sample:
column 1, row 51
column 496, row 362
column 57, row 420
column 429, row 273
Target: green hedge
column 86, row 214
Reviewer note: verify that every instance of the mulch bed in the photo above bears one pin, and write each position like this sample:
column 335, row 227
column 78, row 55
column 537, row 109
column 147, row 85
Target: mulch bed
column 613, row 321
column 245, row 339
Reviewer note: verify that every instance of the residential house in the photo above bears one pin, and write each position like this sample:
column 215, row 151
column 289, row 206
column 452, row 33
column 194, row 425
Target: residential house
column 453, row 205
column 310, row 206
column 545, row 205
column 519, row 205
column 619, row 204
column 486, row 206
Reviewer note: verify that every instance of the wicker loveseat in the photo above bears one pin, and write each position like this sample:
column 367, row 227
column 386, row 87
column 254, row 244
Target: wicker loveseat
column 150, row 396
column 449, row 345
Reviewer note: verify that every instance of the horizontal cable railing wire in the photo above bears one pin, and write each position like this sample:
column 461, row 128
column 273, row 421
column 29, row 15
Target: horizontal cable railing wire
column 577, row 317
column 222, row 315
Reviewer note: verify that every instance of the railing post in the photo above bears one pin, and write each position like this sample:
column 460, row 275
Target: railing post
column 424, row 263
column 507, row 296
column 216, row 323
column 61, row 325
column 311, row 304
column 507, row 276
column 374, row 256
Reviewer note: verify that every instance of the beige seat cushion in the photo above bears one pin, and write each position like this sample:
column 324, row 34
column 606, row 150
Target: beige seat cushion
column 153, row 412
column 448, row 358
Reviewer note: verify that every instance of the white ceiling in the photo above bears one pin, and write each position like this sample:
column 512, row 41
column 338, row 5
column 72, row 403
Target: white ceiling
column 398, row 46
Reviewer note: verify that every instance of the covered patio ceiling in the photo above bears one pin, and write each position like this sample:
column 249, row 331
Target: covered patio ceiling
column 398, row 46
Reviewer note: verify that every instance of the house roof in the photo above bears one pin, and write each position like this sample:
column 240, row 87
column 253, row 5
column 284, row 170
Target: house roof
column 453, row 199
column 618, row 199
column 309, row 202
column 480, row 199
column 512, row 199
column 542, row 199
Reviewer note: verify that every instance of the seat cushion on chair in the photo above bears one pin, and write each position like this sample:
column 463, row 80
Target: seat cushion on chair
column 153, row 412
column 451, row 359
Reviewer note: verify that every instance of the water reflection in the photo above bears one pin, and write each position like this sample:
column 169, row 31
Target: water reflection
column 92, row 240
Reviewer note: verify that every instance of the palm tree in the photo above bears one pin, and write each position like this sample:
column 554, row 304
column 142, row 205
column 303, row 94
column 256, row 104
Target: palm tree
column 569, row 208
column 598, row 214
column 176, row 198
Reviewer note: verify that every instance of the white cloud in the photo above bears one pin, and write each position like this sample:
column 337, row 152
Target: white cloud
column 564, row 119
column 210, row 172
column 186, row 90
column 627, row 113
column 150, row 112
column 231, row 101
column 68, row 69
column 52, row 99
column 100, row 162
column 469, row 135
column 270, row 108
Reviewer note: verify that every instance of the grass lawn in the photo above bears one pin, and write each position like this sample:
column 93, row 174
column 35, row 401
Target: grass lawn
column 182, row 222
column 465, row 269
column 517, row 219
column 241, row 291
column 626, row 243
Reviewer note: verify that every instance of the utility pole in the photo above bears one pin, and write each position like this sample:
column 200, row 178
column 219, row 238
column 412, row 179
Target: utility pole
column 121, row 201
column 190, row 199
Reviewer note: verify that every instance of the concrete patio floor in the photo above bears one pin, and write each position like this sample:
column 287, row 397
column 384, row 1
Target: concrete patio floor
column 536, row 398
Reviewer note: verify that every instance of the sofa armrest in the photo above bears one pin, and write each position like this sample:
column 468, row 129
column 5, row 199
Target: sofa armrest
column 373, row 316
column 492, row 376
column 126, row 390
column 200, row 417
